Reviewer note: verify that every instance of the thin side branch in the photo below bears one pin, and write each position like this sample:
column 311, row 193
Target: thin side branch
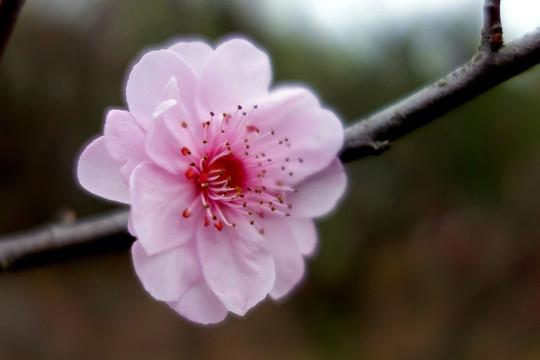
column 492, row 38
column 487, row 69
column 57, row 236
column 366, row 137
column 9, row 12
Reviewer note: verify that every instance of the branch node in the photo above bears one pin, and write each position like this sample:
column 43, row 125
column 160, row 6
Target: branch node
column 492, row 32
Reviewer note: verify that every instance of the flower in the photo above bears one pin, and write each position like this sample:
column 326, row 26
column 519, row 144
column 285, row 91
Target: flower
column 222, row 174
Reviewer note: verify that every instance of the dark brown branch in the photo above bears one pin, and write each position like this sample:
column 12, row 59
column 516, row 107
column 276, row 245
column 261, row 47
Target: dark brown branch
column 485, row 70
column 492, row 38
column 58, row 236
column 9, row 12
column 367, row 137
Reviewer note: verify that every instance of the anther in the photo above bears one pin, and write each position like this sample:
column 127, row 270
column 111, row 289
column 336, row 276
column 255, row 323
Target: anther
column 218, row 225
column 212, row 113
column 184, row 124
column 186, row 213
column 190, row 173
column 206, row 220
column 185, row 151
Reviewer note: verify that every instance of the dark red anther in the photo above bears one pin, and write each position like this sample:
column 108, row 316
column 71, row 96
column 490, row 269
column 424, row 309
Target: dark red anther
column 190, row 173
column 251, row 128
column 218, row 225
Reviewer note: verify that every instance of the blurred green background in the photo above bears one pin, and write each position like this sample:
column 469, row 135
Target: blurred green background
column 434, row 253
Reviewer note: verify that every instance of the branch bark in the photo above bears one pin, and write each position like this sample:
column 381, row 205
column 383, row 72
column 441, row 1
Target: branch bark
column 492, row 31
column 368, row 136
column 54, row 237
column 9, row 12
column 485, row 70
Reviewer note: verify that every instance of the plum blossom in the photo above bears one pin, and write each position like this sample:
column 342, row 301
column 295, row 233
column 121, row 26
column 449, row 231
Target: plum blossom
column 222, row 173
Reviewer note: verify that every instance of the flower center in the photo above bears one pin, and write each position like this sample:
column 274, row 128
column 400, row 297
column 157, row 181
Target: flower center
column 234, row 173
column 231, row 170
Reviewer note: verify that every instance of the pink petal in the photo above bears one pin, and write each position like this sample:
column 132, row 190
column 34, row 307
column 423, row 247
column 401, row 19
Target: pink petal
column 305, row 234
column 124, row 140
column 315, row 136
column 166, row 139
column 237, row 265
column 287, row 257
column 158, row 202
column 274, row 109
column 194, row 53
column 320, row 193
column 147, row 84
column 167, row 276
column 199, row 304
column 234, row 74
column 100, row 174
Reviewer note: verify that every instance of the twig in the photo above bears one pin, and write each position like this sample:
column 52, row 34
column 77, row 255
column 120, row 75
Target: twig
column 57, row 236
column 484, row 71
column 492, row 38
column 9, row 12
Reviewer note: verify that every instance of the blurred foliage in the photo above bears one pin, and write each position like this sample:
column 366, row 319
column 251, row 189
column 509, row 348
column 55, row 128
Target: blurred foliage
column 435, row 253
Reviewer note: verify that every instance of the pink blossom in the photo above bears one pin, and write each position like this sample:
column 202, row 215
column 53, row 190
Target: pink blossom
column 223, row 176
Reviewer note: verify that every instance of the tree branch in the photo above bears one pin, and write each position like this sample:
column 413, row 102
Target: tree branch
column 366, row 137
column 9, row 12
column 485, row 70
column 54, row 237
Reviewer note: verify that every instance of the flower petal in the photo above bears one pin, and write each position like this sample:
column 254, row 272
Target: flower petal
column 235, row 73
column 194, row 53
column 124, row 140
column 167, row 276
column 237, row 265
column 320, row 193
column 147, row 84
column 287, row 257
column 167, row 137
column 314, row 138
column 100, row 174
column 199, row 304
column 305, row 234
column 158, row 201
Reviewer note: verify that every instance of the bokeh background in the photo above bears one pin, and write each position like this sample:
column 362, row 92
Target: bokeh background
column 434, row 253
